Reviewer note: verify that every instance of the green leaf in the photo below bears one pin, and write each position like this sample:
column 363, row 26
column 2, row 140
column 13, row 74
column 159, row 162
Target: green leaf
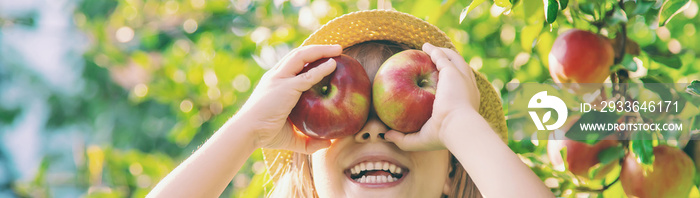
column 468, row 9
column 513, row 2
column 593, row 117
column 563, row 4
column 619, row 16
column 7, row 116
column 605, row 157
column 551, row 9
column 664, row 57
column 611, row 154
column 642, row 146
column 670, row 9
column 693, row 88
column 657, row 86
column 670, row 61
column 628, row 63
column 587, row 8
column 642, row 7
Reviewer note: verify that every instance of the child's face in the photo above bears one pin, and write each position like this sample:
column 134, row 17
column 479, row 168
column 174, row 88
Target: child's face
column 422, row 174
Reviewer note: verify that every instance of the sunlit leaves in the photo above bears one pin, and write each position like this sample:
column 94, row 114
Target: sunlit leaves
column 563, row 4
column 592, row 117
column 618, row 16
column 694, row 88
column 671, row 8
column 426, row 9
column 532, row 11
column 551, row 10
column 642, row 146
column 468, row 9
column 528, row 36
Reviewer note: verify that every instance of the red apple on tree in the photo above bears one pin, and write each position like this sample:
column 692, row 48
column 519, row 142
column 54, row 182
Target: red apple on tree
column 581, row 157
column 579, row 56
column 670, row 175
column 337, row 106
column 404, row 90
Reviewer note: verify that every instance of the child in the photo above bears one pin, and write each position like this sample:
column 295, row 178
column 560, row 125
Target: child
column 464, row 135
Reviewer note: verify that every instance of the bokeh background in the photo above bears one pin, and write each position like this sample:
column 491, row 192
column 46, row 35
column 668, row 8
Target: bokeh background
column 103, row 98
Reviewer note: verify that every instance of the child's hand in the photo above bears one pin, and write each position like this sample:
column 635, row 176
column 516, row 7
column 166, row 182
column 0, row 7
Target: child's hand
column 278, row 91
column 456, row 96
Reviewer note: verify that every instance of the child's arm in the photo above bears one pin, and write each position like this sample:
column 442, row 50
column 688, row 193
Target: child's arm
column 260, row 123
column 457, row 126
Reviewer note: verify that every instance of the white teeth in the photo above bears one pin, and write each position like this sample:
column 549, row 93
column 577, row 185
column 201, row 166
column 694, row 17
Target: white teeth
column 376, row 179
column 376, row 166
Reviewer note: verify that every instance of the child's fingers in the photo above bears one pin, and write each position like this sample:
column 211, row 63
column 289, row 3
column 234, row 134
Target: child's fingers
column 425, row 139
column 300, row 56
column 447, row 59
column 437, row 56
column 406, row 142
column 457, row 60
column 306, row 80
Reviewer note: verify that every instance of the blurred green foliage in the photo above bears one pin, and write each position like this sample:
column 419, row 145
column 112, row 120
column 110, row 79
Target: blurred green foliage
column 162, row 75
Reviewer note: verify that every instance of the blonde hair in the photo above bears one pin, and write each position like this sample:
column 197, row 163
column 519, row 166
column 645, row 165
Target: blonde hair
column 297, row 181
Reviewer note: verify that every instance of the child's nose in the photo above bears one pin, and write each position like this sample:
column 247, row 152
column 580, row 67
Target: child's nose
column 373, row 131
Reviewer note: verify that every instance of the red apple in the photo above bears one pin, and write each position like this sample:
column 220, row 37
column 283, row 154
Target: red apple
column 670, row 175
column 580, row 157
column 337, row 106
column 404, row 90
column 579, row 56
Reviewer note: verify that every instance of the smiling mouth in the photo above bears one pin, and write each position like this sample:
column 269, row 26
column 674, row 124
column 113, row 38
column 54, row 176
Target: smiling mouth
column 377, row 172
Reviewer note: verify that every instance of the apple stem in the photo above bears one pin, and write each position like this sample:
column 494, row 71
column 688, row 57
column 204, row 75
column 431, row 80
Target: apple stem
column 605, row 187
column 422, row 82
column 622, row 37
column 324, row 90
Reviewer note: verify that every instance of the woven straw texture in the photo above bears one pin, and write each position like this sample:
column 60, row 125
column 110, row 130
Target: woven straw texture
column 362, row 26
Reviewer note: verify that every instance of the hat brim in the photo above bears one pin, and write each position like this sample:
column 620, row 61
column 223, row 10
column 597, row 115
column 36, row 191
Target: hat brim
column 372, row 25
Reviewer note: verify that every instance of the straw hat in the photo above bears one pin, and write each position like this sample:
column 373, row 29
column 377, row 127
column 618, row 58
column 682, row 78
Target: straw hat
column 362, row 26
